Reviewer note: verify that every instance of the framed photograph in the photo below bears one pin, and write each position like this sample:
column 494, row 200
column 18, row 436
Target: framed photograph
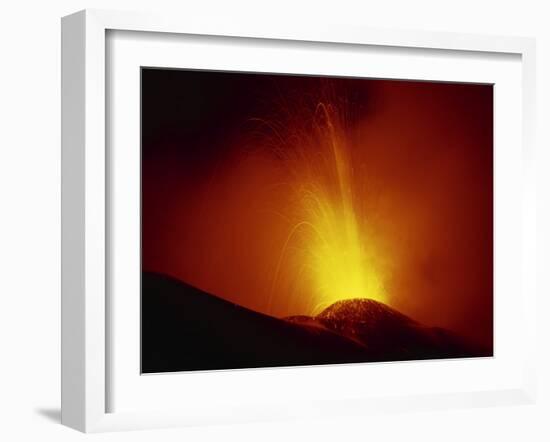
column 262, row 222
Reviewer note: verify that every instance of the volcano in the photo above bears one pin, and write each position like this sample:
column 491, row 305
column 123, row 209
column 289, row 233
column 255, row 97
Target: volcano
column 185, row 329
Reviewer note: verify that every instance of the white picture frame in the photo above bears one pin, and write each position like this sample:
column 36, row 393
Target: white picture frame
column 86, row 356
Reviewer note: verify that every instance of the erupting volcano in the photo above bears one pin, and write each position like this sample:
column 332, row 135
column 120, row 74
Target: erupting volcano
column 294, row 220
column 328, row 247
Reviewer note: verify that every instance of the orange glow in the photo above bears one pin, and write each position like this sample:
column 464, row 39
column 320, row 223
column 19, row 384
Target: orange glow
column 284, row 194
column 328, row 245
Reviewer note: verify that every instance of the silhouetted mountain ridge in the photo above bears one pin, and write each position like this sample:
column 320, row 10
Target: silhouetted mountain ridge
column 184, row 328
column 387, row 333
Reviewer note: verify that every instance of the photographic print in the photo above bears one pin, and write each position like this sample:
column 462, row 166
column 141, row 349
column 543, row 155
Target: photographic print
column 292, row 220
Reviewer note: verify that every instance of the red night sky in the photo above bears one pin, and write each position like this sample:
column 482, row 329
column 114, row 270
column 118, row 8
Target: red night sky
column 286, row 193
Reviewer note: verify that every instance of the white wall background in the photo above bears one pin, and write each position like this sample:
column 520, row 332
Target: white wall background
column 30, row 216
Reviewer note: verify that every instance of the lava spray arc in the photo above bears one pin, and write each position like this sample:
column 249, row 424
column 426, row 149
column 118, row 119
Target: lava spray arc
column 279, row 204
column 330, row 244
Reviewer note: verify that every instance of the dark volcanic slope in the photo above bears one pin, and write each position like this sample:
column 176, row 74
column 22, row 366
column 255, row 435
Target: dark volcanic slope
column 388, row 334
column 184, row 328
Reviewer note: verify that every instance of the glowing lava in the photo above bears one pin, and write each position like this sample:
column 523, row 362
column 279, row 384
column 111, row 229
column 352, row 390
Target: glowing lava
column 328, row 240
column 285, row 194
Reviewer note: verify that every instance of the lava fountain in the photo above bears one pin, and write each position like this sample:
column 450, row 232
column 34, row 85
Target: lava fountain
column 330, row 242
column 285, row 194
